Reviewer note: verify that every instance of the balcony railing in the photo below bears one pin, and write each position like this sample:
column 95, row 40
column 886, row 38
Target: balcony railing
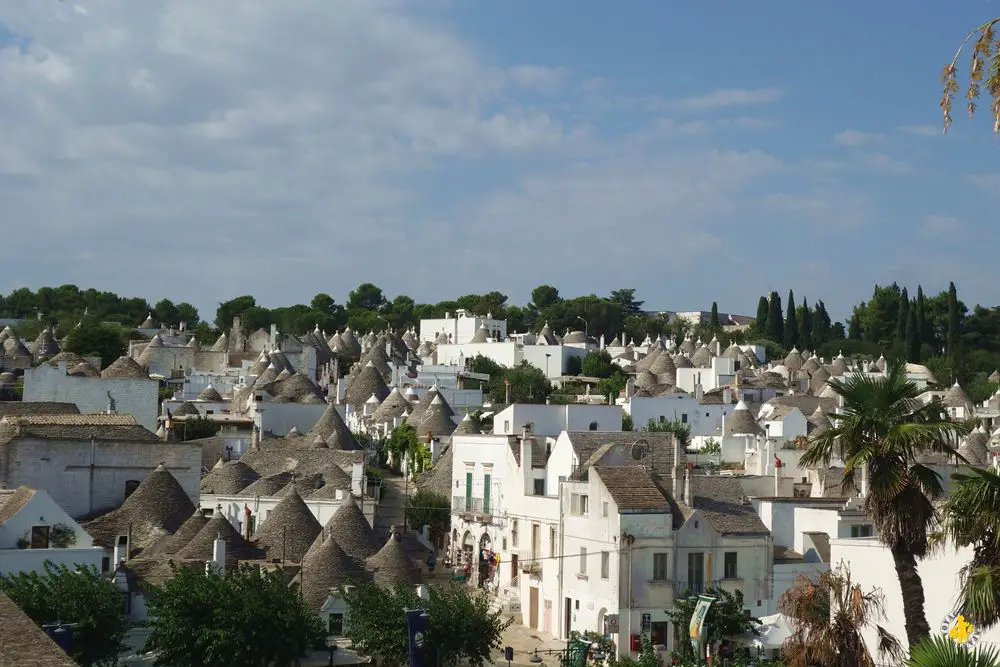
column 532, row 565
column 470, row 505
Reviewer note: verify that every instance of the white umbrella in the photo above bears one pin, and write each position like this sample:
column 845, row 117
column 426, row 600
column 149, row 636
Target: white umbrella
column 774, row 630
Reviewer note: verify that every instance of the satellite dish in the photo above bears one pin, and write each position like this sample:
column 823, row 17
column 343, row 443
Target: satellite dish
column 640, row 449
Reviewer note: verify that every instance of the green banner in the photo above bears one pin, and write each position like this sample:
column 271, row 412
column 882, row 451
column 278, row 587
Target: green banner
column 698, row 627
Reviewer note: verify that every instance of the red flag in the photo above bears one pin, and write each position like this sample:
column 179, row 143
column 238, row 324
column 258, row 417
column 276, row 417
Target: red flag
column 777, row 461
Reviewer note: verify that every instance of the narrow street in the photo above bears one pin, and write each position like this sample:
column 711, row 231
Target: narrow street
column 524, row 641
column 391, row 510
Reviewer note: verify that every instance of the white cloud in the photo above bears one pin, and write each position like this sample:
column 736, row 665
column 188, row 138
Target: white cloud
column 921, row 130
column 729, row 97
column 936, row 226
column 885, row 164
column 854, row 138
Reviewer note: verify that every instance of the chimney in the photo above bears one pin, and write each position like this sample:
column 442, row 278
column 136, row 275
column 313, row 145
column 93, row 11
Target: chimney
column 687, row 487
column 675, row 471
column 121, row 550
column 727, row 395
column 357, row 479
column 777, row 480
column 219, row 555
column 273, row 338
column 183, row 326
column 435, row 446
column 527, row 446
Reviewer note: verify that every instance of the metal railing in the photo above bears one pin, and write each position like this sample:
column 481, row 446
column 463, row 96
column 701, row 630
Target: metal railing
column 469, row 505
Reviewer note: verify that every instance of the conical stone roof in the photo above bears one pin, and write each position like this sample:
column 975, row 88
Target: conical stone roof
column 221, row 343
column 352, row 346
column 818, row 380
column 956, row 397
column 702, row 357
column 352, row 531
column 326, row 566
column 334, row 432
column 741, row 422
column 467, row 426
column 210, row 394
column 647, row 361
column 171, row 544
column 975, row 449
column 683, row 361
column 124, row 367
column 394, row 405
column 421, row 407
column 818, row 421
column 391, row 566
column 794, row 360
column 267, row 487
column 202, row 545
column 811, row 365
column 436, row 420
column 289, row 530
column 229, row 479
column 368, row 381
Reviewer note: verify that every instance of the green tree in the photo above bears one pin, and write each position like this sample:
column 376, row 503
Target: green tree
column 881, row 434
column 544, row 296
column 166, row 313
column 680, row 430
column 96, row 339
column 403, row 445
column 791, row 323
column 81, row 596
column 248, row 618
column 527, row 383
column 805, row 326
column 821, row 325
column 912, row 337
column 954, row 325
column 598, row 364
column 903, row 314
column 829, row 615
column 461, row 627
column 426, row 508
column 574, row 366
column 196, row 428
column 775, row 320
column 324, row 303
column 227, row 310
column 725, row 619
column 625, row 298
column 972, row 519
column 187, row 314
column 713, row 317
column 942, row 651
column 366, row 296
column 760, row 324
column 922, row 316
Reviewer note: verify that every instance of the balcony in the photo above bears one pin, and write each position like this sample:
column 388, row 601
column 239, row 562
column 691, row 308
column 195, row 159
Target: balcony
column 470, row 507
column 532, row 565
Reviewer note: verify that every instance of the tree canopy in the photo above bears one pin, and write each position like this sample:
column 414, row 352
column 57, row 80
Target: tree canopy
column 461, row 626
column 725, row 619
column 984, row 72
column 82, row 597
column 248, row 618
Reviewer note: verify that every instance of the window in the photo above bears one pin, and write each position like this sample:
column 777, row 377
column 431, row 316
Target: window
column 539, row 487
column 513, row 533
column 105, row 564
column 605, row 565
column 552, row 542
column 503, row 543
column 861, row 530
column 593, row 426
column 335, row 625
column 468, row 491
column 658, row 633
column 487, row 482
column 684, row 418
column 583, row 560
column 696, row 572
column 130, row 486
column 577, row 504
column 660, row 567
column 506, row 427
column 39, row 537
column 604, row 509
column 584, row 504
column 729, row 565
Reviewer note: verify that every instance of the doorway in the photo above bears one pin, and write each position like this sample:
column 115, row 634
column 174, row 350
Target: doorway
column 533, row 607
column 568, row 623
column 513, row 567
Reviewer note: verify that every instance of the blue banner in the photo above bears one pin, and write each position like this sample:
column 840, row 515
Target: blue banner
column 416, row 625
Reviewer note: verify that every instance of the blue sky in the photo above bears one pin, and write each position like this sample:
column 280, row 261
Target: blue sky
column 694, row 151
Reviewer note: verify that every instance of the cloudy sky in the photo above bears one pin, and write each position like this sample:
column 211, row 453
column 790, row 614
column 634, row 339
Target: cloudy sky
column 201, row 150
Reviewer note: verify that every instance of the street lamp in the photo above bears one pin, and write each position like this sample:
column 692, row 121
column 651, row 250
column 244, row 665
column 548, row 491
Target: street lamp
column 586, row 326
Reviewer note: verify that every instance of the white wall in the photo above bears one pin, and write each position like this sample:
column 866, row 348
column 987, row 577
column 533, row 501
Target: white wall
column 41, row 510
column 461, row 325
column 705, row 420
column 785, row 576
column 136, row 397
column 558, row 359
column 33, row 560
column 233, row 508
column 554, row 419
column 505, row 353
column 872, row 566
column 85, row 477
column 279, row 418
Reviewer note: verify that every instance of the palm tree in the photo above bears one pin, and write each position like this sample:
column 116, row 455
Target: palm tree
column 972, row 519
column 941, row 651
column 828, row 616
column 881, row 434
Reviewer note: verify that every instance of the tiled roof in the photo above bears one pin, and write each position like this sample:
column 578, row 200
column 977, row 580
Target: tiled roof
column 12, row 501
column 720, row 500
column 32, row 408
column 660, row 453
column 632, row 488
column 105, row 427
column 24, row 644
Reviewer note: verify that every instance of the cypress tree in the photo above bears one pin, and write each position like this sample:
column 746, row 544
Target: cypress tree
column 821, row 324
column 854, row 326
column 805, row 326
column 791, row 323
column 912, row 337
column 952, row 323
column 903, row 316
column 922, row 317
column 775, row 323
column 713, row 320
column 760, row 324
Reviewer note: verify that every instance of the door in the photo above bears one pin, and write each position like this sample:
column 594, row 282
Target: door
column 547, row 617
column 568, row 615
column 487, row 478
column 513, row 567
column 533, row 607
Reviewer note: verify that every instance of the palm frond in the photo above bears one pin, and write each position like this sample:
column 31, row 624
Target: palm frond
column 941, row 651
